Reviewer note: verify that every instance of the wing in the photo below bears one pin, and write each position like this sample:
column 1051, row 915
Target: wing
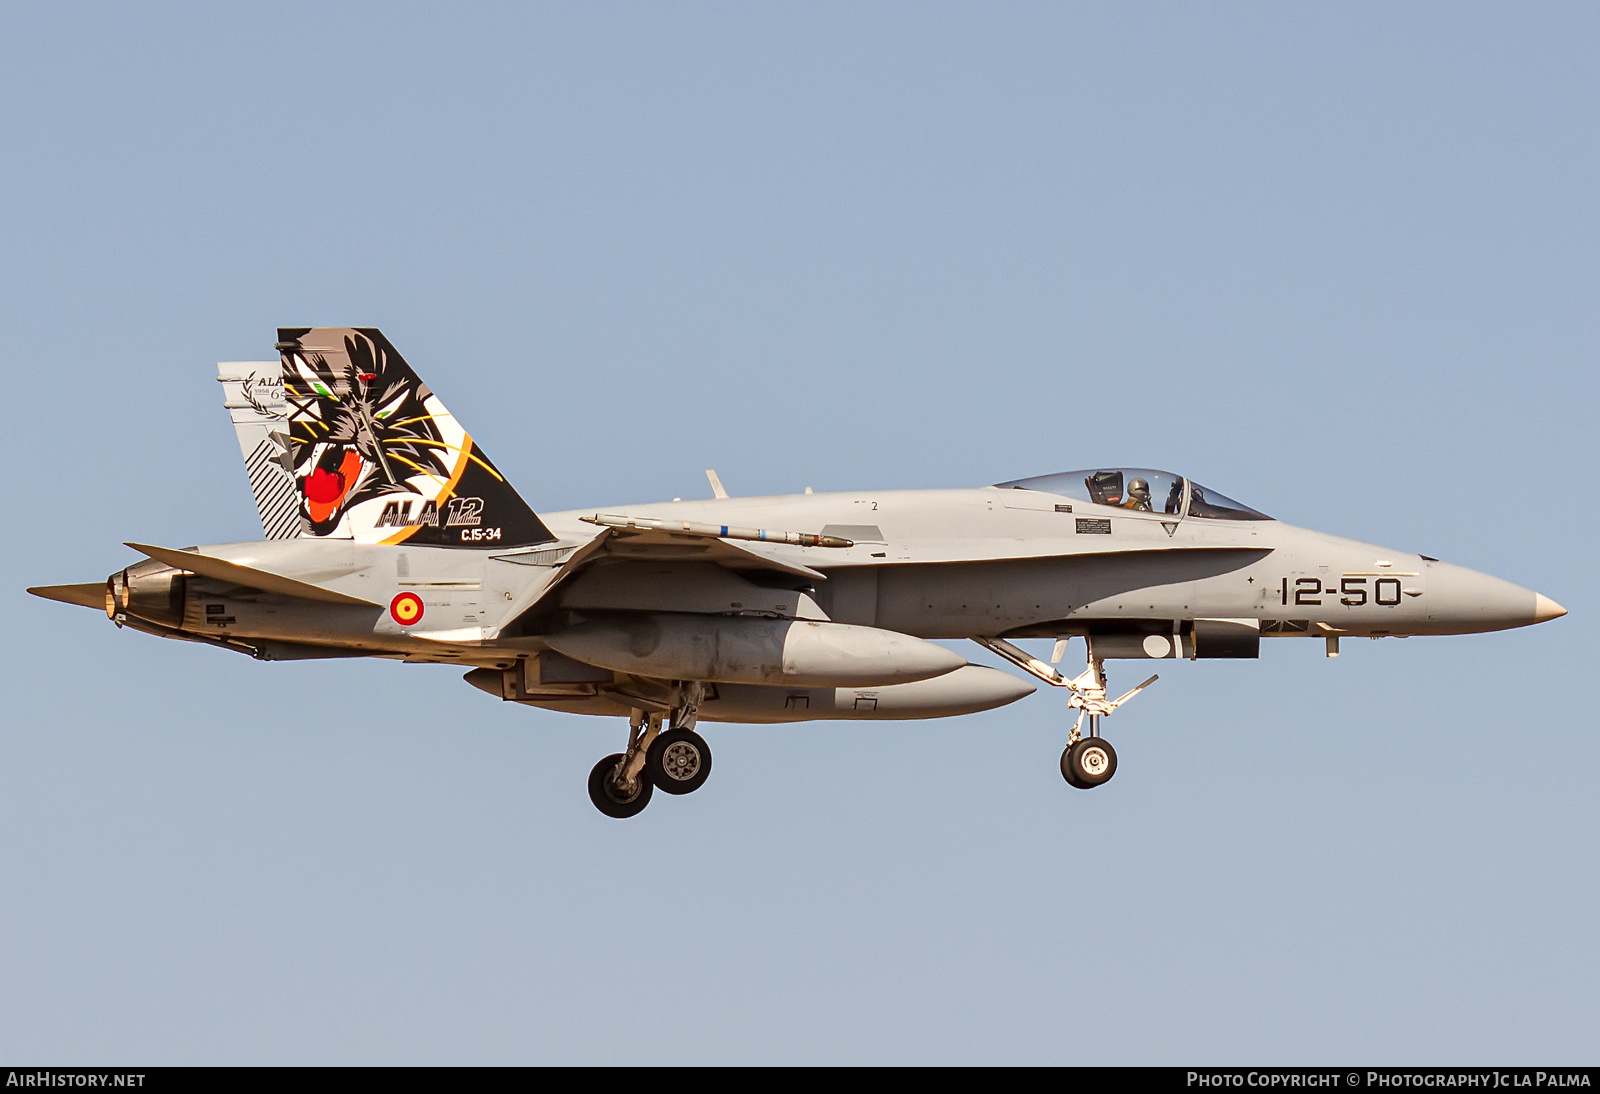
column 662, row 546
column 636, row 546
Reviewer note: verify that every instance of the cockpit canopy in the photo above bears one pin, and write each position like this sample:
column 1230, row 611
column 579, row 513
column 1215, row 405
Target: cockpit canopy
column 1140, row 490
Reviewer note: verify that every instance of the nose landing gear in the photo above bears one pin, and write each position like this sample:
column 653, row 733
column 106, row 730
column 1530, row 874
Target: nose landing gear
column 1088, row 761
column 677, row 761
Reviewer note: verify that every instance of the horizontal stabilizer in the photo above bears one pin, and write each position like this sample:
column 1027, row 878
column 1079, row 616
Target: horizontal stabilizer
column 92, row 595
column 223, row 570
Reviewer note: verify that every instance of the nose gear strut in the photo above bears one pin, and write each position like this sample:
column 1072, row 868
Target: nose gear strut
column 1087, row 761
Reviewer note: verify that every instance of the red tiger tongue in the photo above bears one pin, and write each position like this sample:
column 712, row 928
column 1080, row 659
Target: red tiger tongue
column 324, row 487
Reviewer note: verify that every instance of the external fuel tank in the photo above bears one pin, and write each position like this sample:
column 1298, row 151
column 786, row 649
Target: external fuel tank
column 741, row 650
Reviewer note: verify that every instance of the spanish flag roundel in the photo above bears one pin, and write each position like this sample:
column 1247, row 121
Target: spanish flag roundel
column 406, row 609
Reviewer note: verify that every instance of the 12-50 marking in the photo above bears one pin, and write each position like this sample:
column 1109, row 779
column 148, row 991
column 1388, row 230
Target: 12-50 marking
column 1352, row 591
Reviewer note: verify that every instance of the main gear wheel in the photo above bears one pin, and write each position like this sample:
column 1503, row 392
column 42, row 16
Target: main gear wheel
column 616, row 800
column 679, row 761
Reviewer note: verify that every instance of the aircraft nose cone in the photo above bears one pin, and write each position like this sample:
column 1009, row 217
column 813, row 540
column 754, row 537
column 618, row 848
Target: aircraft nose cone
column 1468, row 602
column 1546, row 609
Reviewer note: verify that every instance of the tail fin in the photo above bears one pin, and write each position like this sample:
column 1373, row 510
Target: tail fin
column 253, row 393
column 377, row 458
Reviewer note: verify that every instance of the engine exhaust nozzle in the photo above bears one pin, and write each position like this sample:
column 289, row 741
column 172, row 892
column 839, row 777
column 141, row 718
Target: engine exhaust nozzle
column 151, row 591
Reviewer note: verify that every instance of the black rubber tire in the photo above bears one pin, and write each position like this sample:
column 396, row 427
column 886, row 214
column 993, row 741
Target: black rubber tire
column 1066, row 769
column 605, row 798
column 679, row 761
column 1092, row 761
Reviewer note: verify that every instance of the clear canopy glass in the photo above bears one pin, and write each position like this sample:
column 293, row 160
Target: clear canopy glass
column 1140, row 490
column 1205, row 502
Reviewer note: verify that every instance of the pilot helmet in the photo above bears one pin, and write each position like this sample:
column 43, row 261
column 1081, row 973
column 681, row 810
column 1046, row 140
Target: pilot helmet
column 1140, row 489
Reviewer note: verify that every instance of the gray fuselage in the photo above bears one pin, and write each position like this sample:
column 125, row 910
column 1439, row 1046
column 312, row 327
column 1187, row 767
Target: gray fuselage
column 941, row 564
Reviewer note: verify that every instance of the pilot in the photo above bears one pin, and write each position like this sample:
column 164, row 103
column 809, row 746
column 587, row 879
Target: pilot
column 1138, row 496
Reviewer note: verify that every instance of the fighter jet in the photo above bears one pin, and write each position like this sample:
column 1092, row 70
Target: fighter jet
column 390, row 533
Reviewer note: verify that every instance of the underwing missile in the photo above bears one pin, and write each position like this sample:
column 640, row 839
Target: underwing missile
column 716, row 531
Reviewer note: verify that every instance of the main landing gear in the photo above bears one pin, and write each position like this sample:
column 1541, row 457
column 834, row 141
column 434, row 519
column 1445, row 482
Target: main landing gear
column 677, row 761
column 1088, row 761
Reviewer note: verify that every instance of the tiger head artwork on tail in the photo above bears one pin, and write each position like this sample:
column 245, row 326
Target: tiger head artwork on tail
column 377, row 458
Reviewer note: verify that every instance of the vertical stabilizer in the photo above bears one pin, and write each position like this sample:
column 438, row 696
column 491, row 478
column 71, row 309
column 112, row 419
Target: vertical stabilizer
column 377, row 458
column 253, row 393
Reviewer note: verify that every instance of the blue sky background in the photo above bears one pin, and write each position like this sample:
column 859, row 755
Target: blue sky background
column 1338, row 262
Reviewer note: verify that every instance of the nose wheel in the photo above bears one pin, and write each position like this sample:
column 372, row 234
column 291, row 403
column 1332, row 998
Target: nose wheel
column 677, row 761
column 1089, row 761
